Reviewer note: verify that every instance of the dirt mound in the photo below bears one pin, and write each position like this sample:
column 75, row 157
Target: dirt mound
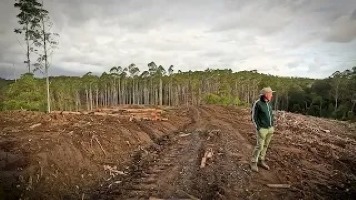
column 98, row 157
column 61, row 156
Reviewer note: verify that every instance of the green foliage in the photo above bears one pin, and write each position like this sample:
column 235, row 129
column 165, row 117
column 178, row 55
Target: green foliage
column 296, row 108
column 3, row 88
column 26, row 93
column 221, row 99
column 156, row 85
column 341, row 112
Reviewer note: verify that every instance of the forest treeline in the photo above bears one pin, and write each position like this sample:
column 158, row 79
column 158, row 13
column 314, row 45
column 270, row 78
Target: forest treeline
column 333, row 97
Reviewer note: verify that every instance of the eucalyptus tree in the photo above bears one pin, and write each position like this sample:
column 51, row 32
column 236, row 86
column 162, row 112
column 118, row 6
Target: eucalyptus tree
column 145, row 92
column 160, row 73
column 133, row 70
column 152, row 69
column 170, row 72
column 29, row 20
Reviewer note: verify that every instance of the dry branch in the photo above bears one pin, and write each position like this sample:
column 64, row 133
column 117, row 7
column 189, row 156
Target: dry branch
column 207, row 155
column 190, row 196
column 184, row 134
column 97, row 140
column 113, row 171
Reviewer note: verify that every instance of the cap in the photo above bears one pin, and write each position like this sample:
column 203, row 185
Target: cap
column 266, row 90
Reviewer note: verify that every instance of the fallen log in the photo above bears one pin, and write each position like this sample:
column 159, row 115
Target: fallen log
column 35, row 125
column 99, row 113
column 66, row 112
column 150, row 116
column 140, row 110
column 282, row 186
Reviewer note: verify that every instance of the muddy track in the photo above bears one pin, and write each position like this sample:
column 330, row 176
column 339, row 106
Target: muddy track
column 164, row 170
column 158, row 172
column 170, row 169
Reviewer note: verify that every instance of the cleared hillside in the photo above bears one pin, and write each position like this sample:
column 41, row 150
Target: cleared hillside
column 90, row 156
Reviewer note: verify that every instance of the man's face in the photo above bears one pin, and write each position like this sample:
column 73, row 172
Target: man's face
column 269, row 96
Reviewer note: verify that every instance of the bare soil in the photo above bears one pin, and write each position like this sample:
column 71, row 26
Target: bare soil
column 83, row 156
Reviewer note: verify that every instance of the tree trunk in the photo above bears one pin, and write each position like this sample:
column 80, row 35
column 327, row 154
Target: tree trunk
column 160, row 91
column 90, row 97
column 97, row 98
column 77, row 99
column 123, row 92
column 102, row 95
column 146, row 94
column 276, row 103
column 120, row 95
column 46, row 63
column 248, row 94
column 353, row 106
column 104, row 98
column 287, row 101
column 151, row 92
column 336, row 97
column 87, row 98
column 27, row 38
column 170, row 92
column 60, row 100
column 156, row 97
column 138, row 93
column 108, row 96
column 133, row 92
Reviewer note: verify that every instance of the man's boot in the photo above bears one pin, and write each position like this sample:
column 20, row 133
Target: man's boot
column 254, row 167
column 263, row 164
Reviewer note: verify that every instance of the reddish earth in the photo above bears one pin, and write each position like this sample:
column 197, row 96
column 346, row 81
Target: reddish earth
column 71, row 156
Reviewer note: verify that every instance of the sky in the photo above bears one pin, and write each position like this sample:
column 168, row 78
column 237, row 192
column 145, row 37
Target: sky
column 304, row 38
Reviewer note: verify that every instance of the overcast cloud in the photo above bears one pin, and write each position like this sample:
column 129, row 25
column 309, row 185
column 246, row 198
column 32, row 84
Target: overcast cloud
column 310, row 38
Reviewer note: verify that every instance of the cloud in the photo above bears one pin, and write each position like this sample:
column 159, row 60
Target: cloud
column 260, row 18
column 282, row 37
column 353, row 15
column 343, row 29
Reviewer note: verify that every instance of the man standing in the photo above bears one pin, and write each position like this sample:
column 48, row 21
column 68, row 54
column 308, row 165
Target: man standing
column 262, row 117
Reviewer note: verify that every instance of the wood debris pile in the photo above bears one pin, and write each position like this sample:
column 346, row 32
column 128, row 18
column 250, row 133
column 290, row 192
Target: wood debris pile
column 141, row 114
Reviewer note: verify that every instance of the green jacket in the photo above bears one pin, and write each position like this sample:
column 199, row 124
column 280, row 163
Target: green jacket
column 262, row 115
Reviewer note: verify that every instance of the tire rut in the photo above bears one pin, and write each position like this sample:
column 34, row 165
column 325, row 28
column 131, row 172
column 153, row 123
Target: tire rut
column 170, row 169
column 164, row 170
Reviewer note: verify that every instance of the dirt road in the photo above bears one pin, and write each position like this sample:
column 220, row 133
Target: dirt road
column 162, row 160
